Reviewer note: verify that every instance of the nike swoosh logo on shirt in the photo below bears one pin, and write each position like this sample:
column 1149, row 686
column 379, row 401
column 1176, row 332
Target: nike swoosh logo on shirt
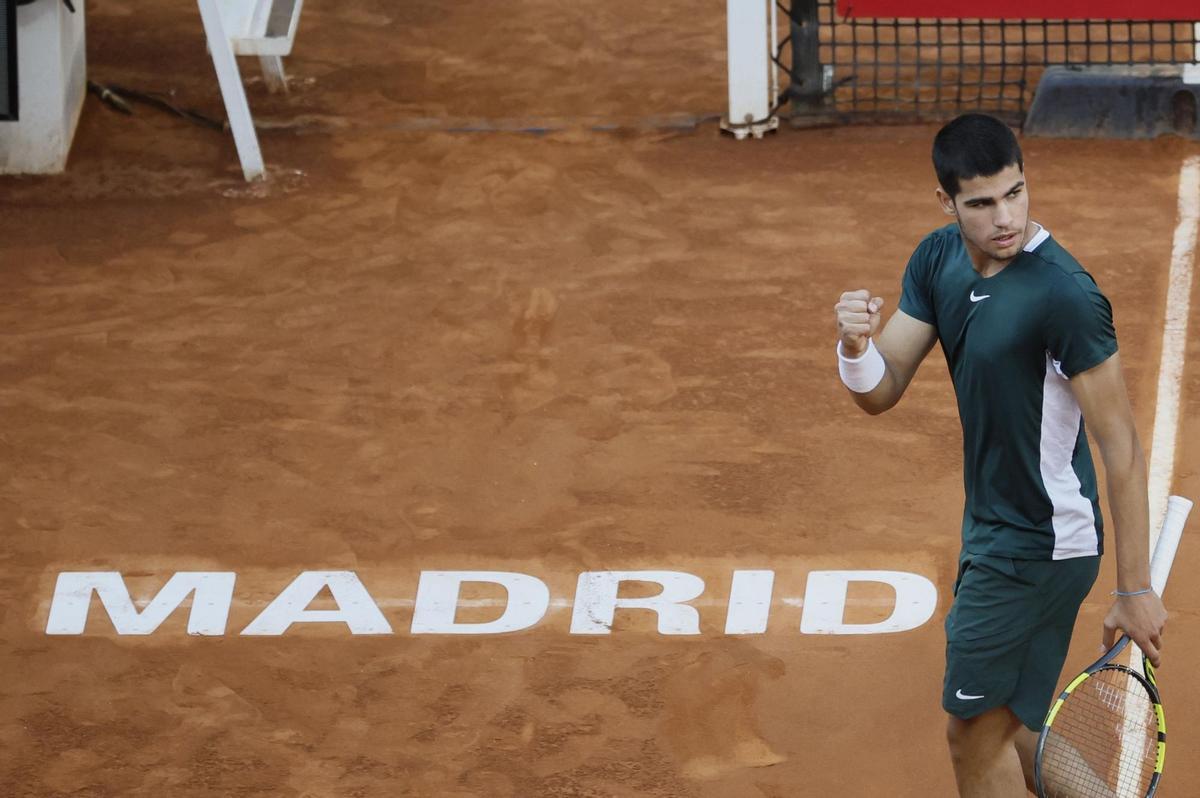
column 978, row 298
column 964, row 697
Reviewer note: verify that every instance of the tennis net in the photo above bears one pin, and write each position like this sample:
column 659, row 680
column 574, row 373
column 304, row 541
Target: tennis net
column 845, row 70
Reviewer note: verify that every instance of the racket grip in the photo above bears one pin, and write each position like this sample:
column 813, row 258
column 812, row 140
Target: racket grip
column 1178, row 509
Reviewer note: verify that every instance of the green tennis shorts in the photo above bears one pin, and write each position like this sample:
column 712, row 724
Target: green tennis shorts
column 1008, row 631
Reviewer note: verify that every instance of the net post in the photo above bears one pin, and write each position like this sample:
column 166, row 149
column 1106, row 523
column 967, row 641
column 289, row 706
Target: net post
column 806, row 91
column 1191, row 72
column 751, row 42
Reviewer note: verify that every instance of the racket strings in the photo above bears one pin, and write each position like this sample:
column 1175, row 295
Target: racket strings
column 1104, row 741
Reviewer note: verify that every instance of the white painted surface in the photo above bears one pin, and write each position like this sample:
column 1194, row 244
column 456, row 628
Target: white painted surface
column 749, row 602
column 213, row 591
column 596, row 601
column 273, row 75
column 1174, row 343
column 438, row 599
column 825, row 602
column 1191, row 72
column 749, row 61
column 232, row 90
column 238, row 15
column 356, row 608
column 252, row 38
column 746, row 610
column 52, row 75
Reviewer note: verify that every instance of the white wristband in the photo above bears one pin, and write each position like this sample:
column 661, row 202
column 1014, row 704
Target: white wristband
column 864, row 373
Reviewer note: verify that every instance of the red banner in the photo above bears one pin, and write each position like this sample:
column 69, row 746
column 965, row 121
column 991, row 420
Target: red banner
column 1020, row 9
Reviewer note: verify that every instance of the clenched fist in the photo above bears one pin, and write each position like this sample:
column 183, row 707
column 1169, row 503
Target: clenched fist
column 858, row 315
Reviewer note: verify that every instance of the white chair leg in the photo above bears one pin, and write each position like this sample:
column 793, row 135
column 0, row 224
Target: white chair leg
column 273, row 75
column 232, row 91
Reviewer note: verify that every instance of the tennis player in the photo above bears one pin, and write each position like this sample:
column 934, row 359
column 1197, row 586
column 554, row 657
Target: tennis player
column 1029, row 341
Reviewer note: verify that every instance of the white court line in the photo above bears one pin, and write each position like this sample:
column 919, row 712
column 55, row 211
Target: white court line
column 1170, row 382
column 1174, row 343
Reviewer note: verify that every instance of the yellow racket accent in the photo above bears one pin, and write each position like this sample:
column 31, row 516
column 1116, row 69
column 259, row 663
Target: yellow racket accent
column 1054, row 711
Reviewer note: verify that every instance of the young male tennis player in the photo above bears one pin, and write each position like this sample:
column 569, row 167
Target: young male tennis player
column 1032, row 353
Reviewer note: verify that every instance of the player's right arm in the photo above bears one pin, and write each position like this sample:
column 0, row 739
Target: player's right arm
column 903, row 344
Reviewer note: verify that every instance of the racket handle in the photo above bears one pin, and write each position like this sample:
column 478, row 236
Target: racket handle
column 1168, row 541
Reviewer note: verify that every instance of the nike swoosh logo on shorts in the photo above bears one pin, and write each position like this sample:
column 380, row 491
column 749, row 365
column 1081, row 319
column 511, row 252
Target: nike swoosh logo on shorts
column 964, row 697
column 978, row 298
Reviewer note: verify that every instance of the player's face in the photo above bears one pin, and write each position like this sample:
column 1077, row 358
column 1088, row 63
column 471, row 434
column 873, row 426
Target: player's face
column 992, row 212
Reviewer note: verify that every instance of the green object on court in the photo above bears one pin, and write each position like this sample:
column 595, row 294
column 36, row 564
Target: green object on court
column 1008, row 632
column 1011, row 342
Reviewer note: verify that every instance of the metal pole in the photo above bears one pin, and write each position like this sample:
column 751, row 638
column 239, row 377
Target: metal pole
column 806, row 91
column 750, row 69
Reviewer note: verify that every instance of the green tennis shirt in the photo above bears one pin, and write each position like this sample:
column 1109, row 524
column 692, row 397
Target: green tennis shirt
column 1012, row 342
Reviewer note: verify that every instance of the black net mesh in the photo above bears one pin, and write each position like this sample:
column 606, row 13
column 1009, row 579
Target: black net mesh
column 847, row 70
column 8, row 59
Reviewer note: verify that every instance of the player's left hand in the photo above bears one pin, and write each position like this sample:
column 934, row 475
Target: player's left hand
column 1143, row 618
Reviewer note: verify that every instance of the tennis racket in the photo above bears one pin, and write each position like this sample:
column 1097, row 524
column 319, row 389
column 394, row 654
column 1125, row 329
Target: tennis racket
column 1105, row 736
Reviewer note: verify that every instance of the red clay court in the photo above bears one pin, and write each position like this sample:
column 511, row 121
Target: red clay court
column 434, row 342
